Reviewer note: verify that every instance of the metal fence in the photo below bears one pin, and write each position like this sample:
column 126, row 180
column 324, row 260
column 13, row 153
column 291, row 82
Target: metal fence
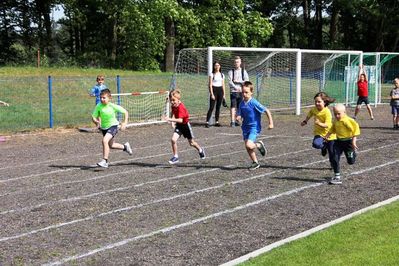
column 45, row 102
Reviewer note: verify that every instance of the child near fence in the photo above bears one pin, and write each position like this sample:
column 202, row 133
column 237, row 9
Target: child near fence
column 104, row 116
column 180, row 123
column 96, row 90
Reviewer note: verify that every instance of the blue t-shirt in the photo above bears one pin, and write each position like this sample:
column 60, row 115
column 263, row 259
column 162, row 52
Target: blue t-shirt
column 96, row 90
column 251, row 113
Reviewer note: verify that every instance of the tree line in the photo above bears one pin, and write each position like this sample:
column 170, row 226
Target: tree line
column 147, row 34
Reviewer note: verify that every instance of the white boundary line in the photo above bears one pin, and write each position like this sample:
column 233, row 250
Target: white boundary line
column 307, row 233
column 201, row 219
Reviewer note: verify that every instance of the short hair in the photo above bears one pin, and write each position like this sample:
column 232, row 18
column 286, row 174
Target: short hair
column 175, row 94
column 106, row 92
column 100, row 77
column 249, row 85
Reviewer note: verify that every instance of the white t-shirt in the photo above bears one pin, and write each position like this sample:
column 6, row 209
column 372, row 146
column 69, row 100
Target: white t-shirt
column 217, row 79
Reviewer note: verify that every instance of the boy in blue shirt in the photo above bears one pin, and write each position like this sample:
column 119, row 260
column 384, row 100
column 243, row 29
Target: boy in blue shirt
column 96, row 90
column 250, row 112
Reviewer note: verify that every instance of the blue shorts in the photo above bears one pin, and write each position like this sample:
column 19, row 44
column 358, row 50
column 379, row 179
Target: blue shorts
column 112, row 130
column 395, row 110
column 250, row 134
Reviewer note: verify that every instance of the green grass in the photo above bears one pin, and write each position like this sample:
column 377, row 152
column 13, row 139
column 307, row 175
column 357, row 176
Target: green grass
column 369, row 239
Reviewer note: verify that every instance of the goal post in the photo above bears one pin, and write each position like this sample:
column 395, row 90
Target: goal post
column 284, row 79
column 144, row 107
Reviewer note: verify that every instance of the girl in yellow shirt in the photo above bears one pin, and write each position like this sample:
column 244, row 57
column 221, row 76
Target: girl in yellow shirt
column 322, row 124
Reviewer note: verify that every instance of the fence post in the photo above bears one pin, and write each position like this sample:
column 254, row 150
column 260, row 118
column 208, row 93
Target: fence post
column 118, row 91
column 50, row 101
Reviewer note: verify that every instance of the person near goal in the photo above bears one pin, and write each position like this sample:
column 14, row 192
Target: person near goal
column 216, row 93
column 250, row 112
column 347, row 131
column 363, row 93
column 322, row 124
column 104, row 116
column 180, row 123
column 237, row 76
column 394, row 94
column 96, row 90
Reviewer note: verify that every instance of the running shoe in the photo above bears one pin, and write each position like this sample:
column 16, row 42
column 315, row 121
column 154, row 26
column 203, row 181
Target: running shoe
column 261, row 148
column 202, row 154
column 254, row 165
column 103, row 164
column 174, row 160
column 128, row 149
column 335, row 180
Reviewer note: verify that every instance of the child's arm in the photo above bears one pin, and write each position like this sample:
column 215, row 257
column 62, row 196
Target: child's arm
column 354, row 145
column 394, row 97
column 96, row 121
column 126, row 118
column 305, row 121
column 320, row 124
column 270, row 118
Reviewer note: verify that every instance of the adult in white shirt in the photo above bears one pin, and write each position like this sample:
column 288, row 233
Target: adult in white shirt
column 216, row 93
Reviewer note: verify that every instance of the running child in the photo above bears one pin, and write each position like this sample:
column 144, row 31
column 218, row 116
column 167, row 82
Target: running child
column 363, row 92
column 322, row 124
column 180, row 123
column 395, row 104
column 96, row 90
column 104, row 116
column 347, row 130
column 250, row 112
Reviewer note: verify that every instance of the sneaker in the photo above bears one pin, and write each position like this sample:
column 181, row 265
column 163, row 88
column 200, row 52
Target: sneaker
column 202, row 154
column 254, row 165
column 207, row 125
column 174, row 160
column 372, row 118
column 217, row 124
column 237, row 124
column 232, row 124
column 336, row 180
column 128, row 149
column 324, row 151
column 261, row 148
column 103, row 164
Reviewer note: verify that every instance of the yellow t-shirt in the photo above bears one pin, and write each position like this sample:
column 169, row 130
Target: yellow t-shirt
column 325, row 117
column 345, row 128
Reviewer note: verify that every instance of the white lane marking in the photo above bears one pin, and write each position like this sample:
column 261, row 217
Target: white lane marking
column 192, row 222
column 123, row 188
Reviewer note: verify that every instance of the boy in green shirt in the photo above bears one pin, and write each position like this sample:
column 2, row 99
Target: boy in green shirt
column 104, row 116
column 347, row 130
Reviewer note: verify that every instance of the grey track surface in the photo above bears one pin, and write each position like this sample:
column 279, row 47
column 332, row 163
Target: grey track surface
column 56, row 208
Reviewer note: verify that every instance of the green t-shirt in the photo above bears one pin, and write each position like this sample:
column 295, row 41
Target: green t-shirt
column 107, row 113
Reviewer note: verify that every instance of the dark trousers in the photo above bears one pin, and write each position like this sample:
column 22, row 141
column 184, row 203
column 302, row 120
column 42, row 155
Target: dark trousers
column 218, row 92
column 343, row 146
column 319, row 143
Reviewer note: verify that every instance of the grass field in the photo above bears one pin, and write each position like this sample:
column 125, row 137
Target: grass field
column 360, row 241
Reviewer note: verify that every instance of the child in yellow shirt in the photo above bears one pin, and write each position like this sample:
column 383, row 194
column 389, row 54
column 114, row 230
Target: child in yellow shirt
column 347, row 130
column 322, row 125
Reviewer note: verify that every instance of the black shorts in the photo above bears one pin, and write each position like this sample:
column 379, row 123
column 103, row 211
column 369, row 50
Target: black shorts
column 185, row 130
column 112, row 130
column 364, row 100
column 235, row 99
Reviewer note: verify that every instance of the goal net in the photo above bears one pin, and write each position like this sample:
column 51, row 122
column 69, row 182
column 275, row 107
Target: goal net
column 143, row 107
column 284, row 79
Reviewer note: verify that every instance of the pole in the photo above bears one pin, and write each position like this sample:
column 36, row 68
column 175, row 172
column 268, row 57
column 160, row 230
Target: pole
column 50, row 101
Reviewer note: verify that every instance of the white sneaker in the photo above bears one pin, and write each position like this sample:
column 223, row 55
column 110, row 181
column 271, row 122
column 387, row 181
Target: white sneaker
column 103, row 163
column 128, row 148
column 336, row 180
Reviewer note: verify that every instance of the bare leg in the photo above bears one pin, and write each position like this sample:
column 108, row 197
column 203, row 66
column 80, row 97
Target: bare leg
column 174, row 139
column 194, row 144
column 357, row 109
column 370, row 111
column 250, row 146
column 106, row 145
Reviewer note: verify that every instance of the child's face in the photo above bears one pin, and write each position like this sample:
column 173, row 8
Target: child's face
column 100, row 80
column 396, row 82
column 246, row 93
column 339, row 113
column 105, row 98
column 174, row 101
column 362, row 77
column 319, row 103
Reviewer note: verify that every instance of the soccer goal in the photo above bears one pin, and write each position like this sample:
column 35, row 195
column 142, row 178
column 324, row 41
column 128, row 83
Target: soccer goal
column 285, row 79
column 144, row 107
